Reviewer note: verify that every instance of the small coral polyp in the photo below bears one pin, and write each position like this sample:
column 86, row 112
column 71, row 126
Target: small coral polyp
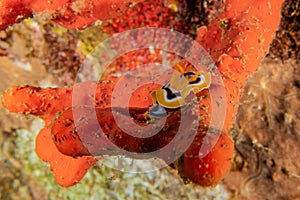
column 236, row 46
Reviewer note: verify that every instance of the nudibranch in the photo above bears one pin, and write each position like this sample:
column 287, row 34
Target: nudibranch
column 172, row 95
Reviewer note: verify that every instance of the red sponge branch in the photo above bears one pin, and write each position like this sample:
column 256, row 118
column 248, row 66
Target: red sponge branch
column 237, row 40
column 68, row 13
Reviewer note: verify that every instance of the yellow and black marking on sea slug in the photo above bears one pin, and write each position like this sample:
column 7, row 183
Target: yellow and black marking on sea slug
column 172, row 95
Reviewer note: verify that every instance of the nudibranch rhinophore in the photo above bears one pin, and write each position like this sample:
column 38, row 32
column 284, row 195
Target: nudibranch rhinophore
column 171, row 96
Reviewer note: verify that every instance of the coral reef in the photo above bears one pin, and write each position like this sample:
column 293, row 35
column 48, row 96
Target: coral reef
column 286, row 44
column 225, row 29
column 267, row 134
